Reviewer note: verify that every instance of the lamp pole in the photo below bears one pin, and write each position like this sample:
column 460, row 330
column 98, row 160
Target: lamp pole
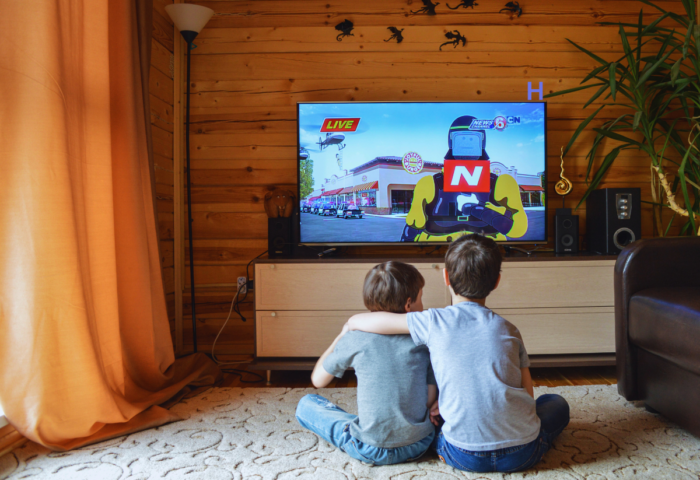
column 193, row 301
column 189, row 19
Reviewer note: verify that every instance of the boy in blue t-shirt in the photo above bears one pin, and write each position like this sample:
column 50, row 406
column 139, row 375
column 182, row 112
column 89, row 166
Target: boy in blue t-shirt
column 395, row 383
column 492, row 422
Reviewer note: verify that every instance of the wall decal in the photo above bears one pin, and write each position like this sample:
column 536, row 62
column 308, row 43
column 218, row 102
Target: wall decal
column 428, row 8
column 465, row 4
column 344, row 28
column 454, row 38
column 513, row 8
column 395, row 34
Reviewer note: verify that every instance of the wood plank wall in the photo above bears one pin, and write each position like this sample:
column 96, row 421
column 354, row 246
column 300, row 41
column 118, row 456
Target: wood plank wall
column 161, row 97
column 256, row 59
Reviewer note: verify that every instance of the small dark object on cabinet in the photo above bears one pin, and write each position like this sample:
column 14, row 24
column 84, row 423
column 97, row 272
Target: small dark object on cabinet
column 344, row 27
column 395, row 34
column 279, row 237
column 454, row 38
column 279, row 203
column 428, row 8
column 565, row 231
column 613, row 219
column 513, row 8
column 465, row 4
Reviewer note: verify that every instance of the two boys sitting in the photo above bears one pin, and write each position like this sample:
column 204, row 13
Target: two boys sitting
column 486, row 419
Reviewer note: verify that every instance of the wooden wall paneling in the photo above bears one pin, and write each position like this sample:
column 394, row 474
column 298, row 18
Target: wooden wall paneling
column 227, row 251
column 161, row 85
column 162, row 25
column 281, row 13
column 256, row 59
column 161, row 114
column 482, row 38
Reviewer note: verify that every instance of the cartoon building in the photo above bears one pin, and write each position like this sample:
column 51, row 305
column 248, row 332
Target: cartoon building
column 383, row 186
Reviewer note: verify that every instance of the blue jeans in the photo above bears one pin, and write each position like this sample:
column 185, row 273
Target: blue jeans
column 554, row 417
column 332, row 423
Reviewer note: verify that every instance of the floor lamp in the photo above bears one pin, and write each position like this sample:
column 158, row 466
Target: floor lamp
column 190, row 20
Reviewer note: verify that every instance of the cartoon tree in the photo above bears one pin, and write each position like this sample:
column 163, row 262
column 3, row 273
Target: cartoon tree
column 306, row 178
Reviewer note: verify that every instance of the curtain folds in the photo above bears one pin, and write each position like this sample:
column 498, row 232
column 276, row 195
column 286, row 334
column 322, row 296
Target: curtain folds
column 85, row 346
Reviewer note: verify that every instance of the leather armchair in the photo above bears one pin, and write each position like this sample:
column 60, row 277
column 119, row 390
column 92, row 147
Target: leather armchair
column 657, row 327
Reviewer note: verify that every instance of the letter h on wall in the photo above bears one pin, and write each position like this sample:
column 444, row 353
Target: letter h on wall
column 530, row 90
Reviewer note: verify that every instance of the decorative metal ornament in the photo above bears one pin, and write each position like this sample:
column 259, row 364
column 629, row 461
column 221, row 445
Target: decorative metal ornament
column 344, row 27
column 513, row 8
column 395, row 34
column 454, row 38
column 465, row 4
column 564, row 185
column 428, row 8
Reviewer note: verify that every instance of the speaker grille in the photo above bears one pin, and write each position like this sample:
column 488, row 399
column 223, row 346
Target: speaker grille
column 623, row 237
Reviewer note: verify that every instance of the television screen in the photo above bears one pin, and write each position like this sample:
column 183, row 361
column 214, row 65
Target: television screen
column 421, row 172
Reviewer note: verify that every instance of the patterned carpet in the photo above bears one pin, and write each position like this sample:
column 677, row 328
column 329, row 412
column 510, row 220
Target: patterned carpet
column 251, row 434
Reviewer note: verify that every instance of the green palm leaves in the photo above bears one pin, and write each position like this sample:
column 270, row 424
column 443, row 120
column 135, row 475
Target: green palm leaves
column 656, row 80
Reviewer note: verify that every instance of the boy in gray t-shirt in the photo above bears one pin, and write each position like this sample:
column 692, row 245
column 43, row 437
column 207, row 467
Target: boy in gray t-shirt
column 395, row 383
column 492, row 422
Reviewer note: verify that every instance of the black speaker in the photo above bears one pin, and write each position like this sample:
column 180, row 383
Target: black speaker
column 279, row 237
column 613, row 219
column 565, row 231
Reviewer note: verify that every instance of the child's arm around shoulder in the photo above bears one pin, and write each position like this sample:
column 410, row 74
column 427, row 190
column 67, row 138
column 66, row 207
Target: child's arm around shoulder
column 383, row 323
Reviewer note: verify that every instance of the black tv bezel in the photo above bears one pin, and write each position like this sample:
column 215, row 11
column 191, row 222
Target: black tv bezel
column 297, row 239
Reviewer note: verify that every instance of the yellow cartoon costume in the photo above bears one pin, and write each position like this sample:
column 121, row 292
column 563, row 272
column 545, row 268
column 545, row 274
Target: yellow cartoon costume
column 440, row 216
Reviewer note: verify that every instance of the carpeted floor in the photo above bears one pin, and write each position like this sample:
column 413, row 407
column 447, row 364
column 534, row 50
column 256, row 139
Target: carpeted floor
column 233, row 433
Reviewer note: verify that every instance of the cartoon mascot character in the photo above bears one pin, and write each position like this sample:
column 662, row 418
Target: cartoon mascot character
column 437, row 215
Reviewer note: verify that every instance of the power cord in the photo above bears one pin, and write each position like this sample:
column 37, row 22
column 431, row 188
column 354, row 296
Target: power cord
column 233, row 371
column 235, row 306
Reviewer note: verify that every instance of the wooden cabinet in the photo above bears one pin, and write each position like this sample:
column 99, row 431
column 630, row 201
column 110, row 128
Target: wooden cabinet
column 300, row 333
column 331, row 286
column 562, row 306
column 553, row 284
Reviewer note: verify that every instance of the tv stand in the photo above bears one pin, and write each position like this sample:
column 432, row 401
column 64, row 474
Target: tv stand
column 563, row 306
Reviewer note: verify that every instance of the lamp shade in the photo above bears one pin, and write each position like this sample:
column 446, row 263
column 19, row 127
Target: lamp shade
column 188, row 17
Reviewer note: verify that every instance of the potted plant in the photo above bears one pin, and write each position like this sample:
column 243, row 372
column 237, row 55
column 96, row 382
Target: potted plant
column 661, row 93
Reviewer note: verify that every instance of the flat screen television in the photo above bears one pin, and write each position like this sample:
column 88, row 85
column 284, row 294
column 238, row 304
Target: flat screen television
column 421, row 173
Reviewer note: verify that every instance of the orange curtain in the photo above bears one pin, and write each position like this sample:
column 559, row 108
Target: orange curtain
column 85, row 347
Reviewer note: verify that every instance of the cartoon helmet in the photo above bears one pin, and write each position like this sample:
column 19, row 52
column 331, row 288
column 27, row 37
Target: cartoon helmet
column 465, row 143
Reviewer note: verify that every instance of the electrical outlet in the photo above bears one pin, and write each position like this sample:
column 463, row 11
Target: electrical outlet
column 242, row 287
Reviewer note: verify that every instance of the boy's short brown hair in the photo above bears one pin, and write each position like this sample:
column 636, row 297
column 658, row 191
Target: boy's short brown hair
column 473, row 264
column 389, row 285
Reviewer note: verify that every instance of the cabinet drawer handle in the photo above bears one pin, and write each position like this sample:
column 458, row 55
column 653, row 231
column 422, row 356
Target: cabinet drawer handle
column 435, row 266
column 273, row 314
column 272, row 267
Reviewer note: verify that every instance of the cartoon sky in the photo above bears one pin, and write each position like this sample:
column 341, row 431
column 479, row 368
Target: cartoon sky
column 393, row 129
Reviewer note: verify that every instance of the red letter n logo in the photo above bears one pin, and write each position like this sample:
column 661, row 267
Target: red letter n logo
column 467, row 176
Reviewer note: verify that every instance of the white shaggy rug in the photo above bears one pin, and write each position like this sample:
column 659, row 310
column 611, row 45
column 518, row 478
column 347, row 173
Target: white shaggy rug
column 251, row 434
